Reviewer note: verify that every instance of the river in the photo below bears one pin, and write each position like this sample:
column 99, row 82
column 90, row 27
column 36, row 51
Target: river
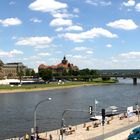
column 16, row 109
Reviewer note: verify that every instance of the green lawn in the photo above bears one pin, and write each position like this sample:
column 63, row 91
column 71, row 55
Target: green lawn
column 54, row 85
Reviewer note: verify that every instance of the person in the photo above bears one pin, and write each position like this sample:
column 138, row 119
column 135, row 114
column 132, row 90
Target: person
column 26, row 136
column 50, row 137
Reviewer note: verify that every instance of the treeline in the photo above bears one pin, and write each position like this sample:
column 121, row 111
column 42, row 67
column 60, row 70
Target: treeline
column 48, row 74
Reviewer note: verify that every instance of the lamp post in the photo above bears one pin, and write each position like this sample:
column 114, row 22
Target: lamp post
column 137, row 110
column 62, row 120
column 35, row 126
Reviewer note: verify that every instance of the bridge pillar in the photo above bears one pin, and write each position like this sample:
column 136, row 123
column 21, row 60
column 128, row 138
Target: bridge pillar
column 134, row 81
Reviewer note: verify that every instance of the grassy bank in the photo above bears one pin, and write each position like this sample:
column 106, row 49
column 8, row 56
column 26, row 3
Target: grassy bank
column 50, row 86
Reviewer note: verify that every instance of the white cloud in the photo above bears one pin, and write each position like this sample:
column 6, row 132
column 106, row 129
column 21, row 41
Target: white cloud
column 12, row 53
column 109, row 46
column 37, row 42
column 80, row 48
column 59, row 29
column 15, row 52
column 44, row 54
column 129, row 3
column 89, row 52
column 10, row 22
column 47, row 5
column 131, row 55
column 77, row 56
column 125, row 24
column 74, row 28
column 61, row 22
column 137, row 7
column 35, row 20
column 76, row 10
column 103, row 3
column 62, row 14
column 91, row 34
column 99, row 3
column 91, row 2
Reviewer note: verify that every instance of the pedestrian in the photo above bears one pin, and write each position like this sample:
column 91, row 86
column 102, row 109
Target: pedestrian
column 26, row 136
column 50, row 137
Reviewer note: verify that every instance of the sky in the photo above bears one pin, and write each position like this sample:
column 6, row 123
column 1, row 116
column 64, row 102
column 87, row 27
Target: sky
column 94, row 34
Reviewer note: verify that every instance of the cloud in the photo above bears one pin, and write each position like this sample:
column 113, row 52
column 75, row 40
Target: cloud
column 12, row 53
column 83, row 50
column 47, row 5
column 80, row 48
column 59, row 29
column 99, row 3
column 37, row 42
column 129, row 3
column 77, row 56
column 62, row 14
column 91, row 34
column 74, row 28
column 131, row 55
column 12, row 3
column 89, row 52
column 10, row 22
column 109, row 46
column 35, row 20
column 76, row 10
column 125, row 24
column 137, row 7
column 44, row 54
column 61, row 22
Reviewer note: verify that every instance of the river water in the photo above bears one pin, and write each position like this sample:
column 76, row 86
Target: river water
column 16, row 110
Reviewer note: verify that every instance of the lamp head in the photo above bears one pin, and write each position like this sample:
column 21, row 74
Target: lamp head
column 49, row 99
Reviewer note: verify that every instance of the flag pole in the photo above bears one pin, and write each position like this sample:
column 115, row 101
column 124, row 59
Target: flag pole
column 95, row 106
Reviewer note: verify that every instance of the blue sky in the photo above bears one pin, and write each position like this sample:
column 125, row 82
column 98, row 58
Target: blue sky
column 95, row 34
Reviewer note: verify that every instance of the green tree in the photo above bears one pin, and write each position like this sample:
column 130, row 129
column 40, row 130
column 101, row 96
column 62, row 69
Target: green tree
column 32, row 72
column 28, row 73
column 45, row 74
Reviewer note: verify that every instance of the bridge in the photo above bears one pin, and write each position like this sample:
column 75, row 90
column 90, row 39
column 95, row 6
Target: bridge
column 134, row 74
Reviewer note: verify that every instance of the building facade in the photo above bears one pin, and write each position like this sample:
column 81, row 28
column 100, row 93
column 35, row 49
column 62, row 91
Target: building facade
column 63, row 66
column 12, row 70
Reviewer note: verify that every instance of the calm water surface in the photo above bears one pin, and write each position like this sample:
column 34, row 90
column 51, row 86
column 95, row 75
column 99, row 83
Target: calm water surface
column 16, row 110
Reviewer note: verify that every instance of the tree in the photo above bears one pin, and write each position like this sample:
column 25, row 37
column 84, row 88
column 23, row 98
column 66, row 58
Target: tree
column 84, row 72
column 32, row 72
column 45, row 74
column 28, row 73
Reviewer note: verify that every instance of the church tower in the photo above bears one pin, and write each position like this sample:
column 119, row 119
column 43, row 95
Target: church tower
column 64, row 61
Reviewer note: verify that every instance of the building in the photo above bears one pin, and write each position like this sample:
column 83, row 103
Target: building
column 12, row 70
column 63, row 66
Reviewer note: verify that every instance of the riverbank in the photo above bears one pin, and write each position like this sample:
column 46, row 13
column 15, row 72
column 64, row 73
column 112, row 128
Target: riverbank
column 49, row 86
column 116, row 129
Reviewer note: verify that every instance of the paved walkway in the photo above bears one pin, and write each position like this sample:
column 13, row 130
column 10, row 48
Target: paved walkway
column 116, row 130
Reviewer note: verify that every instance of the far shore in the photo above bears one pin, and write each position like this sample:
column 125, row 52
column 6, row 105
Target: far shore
column 37, row 88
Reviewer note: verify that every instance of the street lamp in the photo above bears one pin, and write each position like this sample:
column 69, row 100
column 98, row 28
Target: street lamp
column 62, row 120
column 35, row 126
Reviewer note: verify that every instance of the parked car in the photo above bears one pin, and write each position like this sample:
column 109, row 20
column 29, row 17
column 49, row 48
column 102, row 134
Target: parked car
column 135, row 134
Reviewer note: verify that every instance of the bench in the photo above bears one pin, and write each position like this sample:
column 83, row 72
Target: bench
column 96, row 125
column 108, row 121
column 69, row 132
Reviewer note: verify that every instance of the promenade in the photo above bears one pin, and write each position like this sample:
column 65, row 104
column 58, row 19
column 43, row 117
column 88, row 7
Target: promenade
column 115, row 129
